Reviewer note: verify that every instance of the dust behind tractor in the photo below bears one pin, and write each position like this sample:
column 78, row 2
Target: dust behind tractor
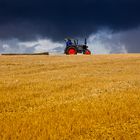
column 73, row 47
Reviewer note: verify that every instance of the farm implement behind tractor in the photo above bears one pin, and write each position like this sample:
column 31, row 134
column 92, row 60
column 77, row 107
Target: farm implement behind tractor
column 73, row 47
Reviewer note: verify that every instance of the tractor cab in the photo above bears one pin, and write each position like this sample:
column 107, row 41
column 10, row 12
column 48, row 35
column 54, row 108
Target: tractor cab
column 70, row 42
column 73, row 47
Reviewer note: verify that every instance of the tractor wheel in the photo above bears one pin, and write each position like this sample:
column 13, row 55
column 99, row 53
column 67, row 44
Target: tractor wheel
column 87, row 52
column 71, row 51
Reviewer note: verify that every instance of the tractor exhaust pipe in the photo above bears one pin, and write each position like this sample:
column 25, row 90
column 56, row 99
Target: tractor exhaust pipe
column 85, row 41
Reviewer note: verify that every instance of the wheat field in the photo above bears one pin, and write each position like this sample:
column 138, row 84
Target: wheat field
column 79, row 97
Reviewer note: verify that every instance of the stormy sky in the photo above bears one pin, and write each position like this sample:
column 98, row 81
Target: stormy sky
column 111, row 26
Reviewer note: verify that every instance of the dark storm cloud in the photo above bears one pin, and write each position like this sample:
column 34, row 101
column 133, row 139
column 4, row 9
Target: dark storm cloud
column 56, row 19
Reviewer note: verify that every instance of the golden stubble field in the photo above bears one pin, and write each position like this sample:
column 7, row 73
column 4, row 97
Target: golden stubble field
column 70, row 97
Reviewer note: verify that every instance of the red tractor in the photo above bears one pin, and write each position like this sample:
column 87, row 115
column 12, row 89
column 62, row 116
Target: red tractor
column 72, row 47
